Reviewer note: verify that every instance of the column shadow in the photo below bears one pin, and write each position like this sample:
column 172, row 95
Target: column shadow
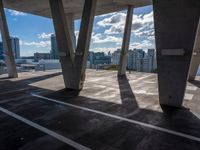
column 180, row 120
column 195, row 83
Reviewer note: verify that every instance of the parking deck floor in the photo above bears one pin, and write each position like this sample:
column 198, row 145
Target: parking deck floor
column 110, row 113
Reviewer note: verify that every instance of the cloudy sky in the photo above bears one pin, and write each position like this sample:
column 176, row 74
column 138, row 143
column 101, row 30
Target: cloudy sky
column 34, row 31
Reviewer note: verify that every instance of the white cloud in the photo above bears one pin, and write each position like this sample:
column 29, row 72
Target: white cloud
column 151, row 38
column 149, row 34
column 116, row 22
column 143, row 21
column 44, row 35
column 145, row 44
column 116, row 18
column 115, row 29
column 43, row 44
column 99, row 38
column 16, row 13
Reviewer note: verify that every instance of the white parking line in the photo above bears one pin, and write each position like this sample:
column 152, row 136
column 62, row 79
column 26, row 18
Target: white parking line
column 45, row 130
column 122, row 119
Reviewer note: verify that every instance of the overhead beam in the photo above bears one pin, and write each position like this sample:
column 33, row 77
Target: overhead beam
column 40, row 7
column 126, row 42
column 125, row 2
column 9, row 57
column 194, row 65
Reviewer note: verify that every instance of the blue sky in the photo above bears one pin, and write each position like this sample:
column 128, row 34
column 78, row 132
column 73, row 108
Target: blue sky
column 34, row 31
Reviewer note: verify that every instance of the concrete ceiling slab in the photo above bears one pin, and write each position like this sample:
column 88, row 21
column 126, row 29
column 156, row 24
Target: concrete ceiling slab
column 41, row 7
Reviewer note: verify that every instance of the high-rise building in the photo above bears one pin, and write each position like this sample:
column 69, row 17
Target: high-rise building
column 131, row 61
column 54, row 47
column 138, row 56
column 109, row 54
column 116, row 57
column 91, row 58
column 139, row 53
column 1, row 51
column 100, row 58
column 141, row 61
column 139, row 64
column 15, row 47
column 151, row 53
column 147, row 64
column 134, row 57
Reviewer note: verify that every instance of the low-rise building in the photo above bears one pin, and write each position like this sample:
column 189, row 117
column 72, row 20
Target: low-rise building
column 39, row 56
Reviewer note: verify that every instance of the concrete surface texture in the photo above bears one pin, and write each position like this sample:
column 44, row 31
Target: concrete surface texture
column 176, row 23
column 110, row 113
column 126, row 42
column 73, row 61
column 72, row 6
column 194, row 65
column 9, row 56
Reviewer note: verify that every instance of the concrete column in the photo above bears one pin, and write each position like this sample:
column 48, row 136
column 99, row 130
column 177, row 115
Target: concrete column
column 70, row 19
column 63, row 25
column 84, row 40
column 9, row 57
column 194, row 65
column 126, row 42
column 62, row 29
column 175, row 28
column 73, row 62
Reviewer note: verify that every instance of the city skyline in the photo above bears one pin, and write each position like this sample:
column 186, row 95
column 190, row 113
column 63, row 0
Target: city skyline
column 138, row 60
column 107, row 32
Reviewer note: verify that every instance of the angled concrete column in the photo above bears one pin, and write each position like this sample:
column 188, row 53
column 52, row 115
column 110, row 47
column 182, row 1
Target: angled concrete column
column 175, row 29
column 84, row 40
column 194, row 65
column 70, row 19
column 63, row 25
column 62, row 29
column 73, row 62
column 9, row 58
column 126, row 42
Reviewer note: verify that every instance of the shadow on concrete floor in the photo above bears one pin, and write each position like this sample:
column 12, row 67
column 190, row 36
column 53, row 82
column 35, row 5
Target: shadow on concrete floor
column 181, row 120
column 195, row 83
column 127, row 96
